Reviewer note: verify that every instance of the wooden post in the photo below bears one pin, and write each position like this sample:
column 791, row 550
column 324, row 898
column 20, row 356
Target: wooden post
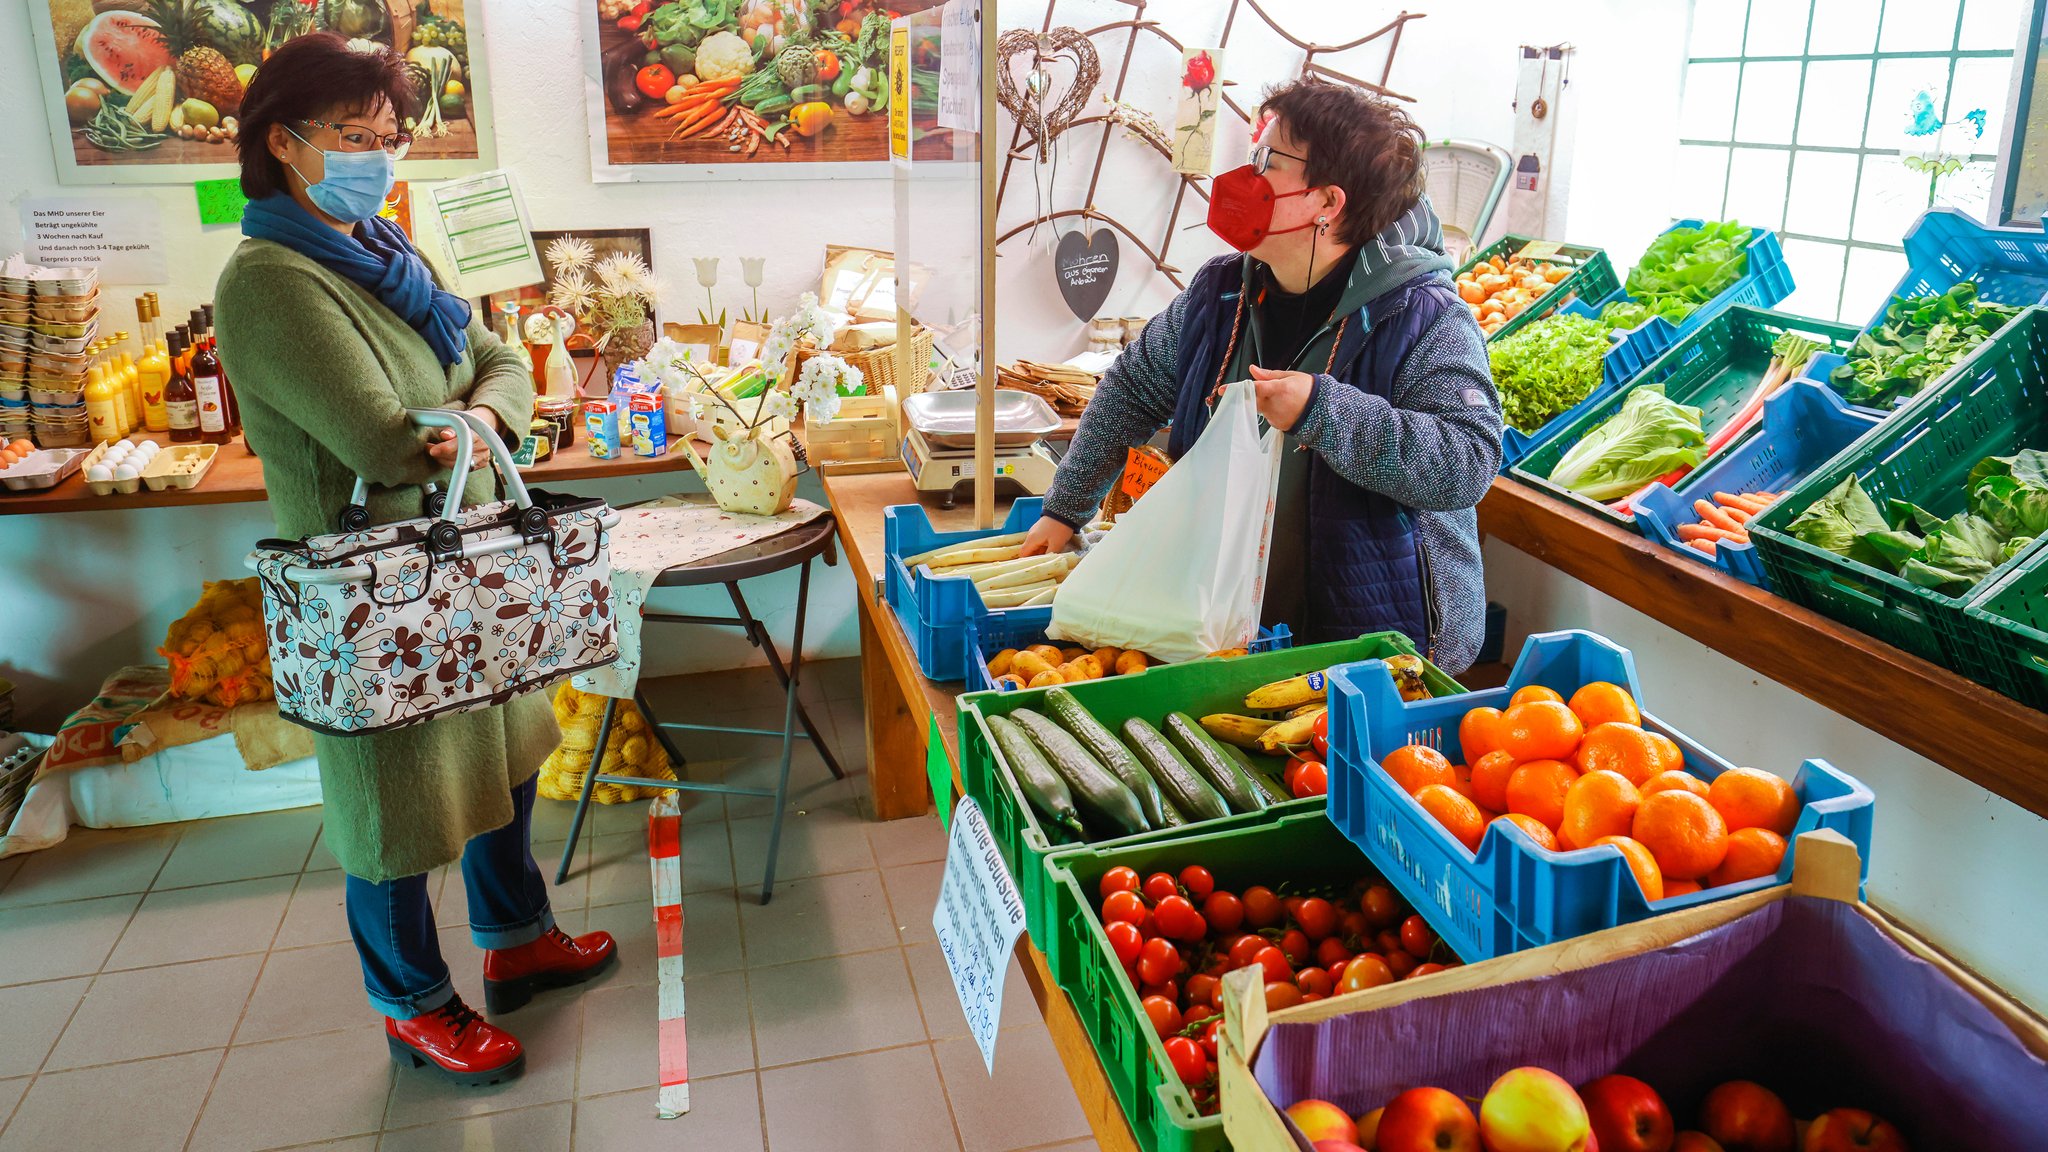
column 985, row 374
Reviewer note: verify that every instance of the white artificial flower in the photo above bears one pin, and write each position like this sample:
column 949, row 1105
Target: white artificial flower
column 698, row 404
column 661, row 360
column 779, row 403
column 822, row 411
column 776, row 349
column 570, row 254
column 620, row 273
column 572, row 293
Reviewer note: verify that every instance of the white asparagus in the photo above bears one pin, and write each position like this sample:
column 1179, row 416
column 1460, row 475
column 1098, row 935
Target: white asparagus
column 991, row 568
column 1047, row 568
column 963, row 546
column 1042, row 598
column 959, row 560
column 1017, row 597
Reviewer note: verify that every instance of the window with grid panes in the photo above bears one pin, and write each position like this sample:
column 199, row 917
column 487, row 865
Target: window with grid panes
column 1831, row 121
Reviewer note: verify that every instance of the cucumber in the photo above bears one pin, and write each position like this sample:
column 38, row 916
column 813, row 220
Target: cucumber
column 1273, row 788
column 808, row 93
column 1042, row 786
column 1181, row 784
column 1100, row 796
column 1208, row 757
column 1106, row 748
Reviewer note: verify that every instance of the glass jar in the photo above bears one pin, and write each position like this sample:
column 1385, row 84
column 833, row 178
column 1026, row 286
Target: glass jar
column 560, row 414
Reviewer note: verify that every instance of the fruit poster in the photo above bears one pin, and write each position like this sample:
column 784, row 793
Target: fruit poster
column 147, row 91
column 689, row 89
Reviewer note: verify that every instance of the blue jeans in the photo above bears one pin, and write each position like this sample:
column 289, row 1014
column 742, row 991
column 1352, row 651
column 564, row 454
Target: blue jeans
column 393, row 921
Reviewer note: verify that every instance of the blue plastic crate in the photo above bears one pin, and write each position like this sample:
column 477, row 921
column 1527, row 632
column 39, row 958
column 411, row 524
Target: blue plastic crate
column 1634, row 351
column 934, row 610
column 990, row 634
column 1945, row 248
column 1512, row 895
column 1804, row 426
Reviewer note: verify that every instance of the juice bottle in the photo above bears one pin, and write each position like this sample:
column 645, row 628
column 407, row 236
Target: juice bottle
column 152, row 372
column 101, row 411
column 213, row 405
column 181, row 400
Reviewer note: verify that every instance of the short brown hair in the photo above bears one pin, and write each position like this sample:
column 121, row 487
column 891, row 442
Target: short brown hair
column 1360, row 143
column 310, row 78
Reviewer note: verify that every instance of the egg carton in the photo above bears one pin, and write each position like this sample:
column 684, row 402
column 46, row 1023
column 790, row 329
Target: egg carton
column 62, row 436
column 42, row 469
column 51, row 311
column 66, row 345
column 180, row 466
column 97, row 457
column 56, row 397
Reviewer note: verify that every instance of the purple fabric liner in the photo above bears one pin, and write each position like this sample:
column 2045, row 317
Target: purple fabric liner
column 1804, row 996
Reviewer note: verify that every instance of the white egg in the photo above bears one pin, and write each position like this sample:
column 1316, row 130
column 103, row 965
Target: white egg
column 99, row 473
column 116, row 454
column 149, row 446
column 126, row 472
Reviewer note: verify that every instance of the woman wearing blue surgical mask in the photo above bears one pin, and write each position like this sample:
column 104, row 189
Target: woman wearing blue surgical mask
column 331, row 326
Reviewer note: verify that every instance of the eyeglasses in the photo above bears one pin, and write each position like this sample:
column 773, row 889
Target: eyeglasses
column 362, row 138
column 1261, row 158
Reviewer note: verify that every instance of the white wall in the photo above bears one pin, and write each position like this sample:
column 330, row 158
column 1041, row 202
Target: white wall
column 82, row 594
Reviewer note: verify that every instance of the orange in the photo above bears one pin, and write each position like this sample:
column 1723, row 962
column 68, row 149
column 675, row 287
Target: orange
column 1680, row 888
column 1415, row 765
column 1597, row 804
column 1685, row 834
column 1533, row 827
column 1490, row 779
column 1669, row 757
column 1752, row 852
column 1459, row 816
column 1479, row 733
column 1532, row 692
column 1538, row 788
column 1600, row 702
column 1618, row 747
column 1649, row 877
column 1748, row 798
column 1541, row 730
column 1680, row 781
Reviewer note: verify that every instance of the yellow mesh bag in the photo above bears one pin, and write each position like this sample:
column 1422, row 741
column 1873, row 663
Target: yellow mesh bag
column 631, row 750
column 216, row 650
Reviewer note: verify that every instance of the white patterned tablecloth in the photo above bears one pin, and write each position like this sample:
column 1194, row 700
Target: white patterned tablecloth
column 661, row 534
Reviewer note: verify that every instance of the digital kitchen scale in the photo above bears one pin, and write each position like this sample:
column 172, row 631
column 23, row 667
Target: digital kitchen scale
column 938, row 442
column 945, row 470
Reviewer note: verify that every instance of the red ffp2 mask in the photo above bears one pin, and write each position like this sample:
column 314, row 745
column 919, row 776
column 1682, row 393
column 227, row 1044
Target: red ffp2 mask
column 1241, row 208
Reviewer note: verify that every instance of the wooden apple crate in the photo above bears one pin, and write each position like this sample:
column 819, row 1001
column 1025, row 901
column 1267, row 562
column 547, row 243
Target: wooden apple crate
column 1826, row 867
column 865, row 431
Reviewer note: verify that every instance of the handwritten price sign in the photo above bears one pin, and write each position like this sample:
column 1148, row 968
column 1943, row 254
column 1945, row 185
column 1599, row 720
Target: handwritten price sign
column 978, row 920
column 1141, row 471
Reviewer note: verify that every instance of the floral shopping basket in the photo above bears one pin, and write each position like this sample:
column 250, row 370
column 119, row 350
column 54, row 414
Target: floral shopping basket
column 375, row 629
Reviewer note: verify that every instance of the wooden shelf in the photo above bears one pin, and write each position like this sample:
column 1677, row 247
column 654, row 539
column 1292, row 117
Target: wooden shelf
column 1980, row 735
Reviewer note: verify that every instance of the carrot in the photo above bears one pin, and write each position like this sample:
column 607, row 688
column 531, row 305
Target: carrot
column 1712, row 515
column 1692, row 532
column 1706, row 546
column 1744, row 501
column 1739, row 515
column 697, row 122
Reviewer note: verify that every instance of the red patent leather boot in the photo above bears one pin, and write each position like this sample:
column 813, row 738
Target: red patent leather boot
column 556, row 960
column 457, row 1043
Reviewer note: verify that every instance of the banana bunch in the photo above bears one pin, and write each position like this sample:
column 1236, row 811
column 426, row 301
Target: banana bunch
column 1302, row 701
column 630, row 750
column 216, row 650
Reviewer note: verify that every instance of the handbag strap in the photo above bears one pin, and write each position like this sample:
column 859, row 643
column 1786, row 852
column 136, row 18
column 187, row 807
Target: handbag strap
column 445, row 536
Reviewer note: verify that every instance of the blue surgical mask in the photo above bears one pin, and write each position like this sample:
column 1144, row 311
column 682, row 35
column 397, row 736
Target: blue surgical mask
column 355, row 183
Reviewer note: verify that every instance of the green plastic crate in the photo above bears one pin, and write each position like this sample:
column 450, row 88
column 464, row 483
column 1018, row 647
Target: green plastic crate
column 2009, row 630
column 1197, row 688
column 1592, row 276
column 1994, row 404
column 1714, row 369
column 1303, row 849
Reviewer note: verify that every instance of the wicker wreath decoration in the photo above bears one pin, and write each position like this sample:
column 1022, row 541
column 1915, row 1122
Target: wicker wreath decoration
column 1028, row 105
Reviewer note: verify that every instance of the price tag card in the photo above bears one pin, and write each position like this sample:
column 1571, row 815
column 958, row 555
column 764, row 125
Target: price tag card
column 978, row 920
column 1141, row 471
column 1539, row 250
column 220, row 201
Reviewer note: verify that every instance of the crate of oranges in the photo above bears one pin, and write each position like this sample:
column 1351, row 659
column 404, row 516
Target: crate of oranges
column 1555, row 806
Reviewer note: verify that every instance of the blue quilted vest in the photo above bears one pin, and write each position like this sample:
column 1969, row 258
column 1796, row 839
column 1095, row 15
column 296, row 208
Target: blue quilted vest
column 1367, row 572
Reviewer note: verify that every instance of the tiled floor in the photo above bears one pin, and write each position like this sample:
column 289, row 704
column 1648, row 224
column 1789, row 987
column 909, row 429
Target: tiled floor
column 192, row 986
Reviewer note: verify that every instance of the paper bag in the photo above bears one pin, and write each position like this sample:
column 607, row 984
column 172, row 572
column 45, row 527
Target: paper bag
column 1184, row 572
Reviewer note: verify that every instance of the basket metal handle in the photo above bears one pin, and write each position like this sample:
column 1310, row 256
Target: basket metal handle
column 298, row 574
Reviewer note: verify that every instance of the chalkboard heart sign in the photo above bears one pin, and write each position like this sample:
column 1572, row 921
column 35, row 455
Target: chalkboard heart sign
column 1086, row 265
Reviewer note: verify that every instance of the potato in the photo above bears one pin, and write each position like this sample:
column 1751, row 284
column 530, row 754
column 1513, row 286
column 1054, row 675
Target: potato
column 1228, row 653
column 1047, row 652
column 1011, row 682
column 1001, row 664
column 1131, row 662
column 1069, row 655
column 1046, row 679
column 1086, row 666
column 1029, row 664
column 1107, row 658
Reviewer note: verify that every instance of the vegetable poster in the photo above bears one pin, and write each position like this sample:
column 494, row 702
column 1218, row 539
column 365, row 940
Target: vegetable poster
column 692, row 85
column 148, row 91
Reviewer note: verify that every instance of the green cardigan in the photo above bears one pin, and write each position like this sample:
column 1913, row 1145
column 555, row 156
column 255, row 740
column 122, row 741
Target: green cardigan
column 323, row 373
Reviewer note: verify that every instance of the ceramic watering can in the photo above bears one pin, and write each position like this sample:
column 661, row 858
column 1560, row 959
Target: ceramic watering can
column 750, row 472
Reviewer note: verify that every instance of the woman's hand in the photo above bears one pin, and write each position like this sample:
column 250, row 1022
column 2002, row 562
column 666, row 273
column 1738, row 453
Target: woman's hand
column 442, row 442
column 1283, row 396
column 1048, row 535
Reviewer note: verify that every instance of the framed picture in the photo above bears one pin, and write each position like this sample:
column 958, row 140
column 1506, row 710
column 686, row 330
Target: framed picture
column 603, row 242
column 805, row 88
column 130, row 101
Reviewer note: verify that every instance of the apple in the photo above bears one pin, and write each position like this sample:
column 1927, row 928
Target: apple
column 1369, row 1129
column 1696, row 1142
column 1747, row 1117
column 1628, row 1115
column 1321, row 1120
column 1427, row 1120
column 1533, row 1110
column 1852, row 1130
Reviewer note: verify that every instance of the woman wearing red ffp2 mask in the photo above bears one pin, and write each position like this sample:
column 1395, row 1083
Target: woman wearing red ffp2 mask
column 1339, row 306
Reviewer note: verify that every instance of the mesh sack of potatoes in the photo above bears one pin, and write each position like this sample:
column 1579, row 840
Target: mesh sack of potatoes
column 216, row 650
column 630, row 750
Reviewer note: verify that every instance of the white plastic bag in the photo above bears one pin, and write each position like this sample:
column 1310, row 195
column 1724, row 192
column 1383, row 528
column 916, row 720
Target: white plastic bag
column 1184, row 572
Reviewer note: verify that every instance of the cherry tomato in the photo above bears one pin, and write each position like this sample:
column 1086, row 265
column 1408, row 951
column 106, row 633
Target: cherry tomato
column 1262, row 909
column 1295, row 946
column 1150, row 924
column 654, row 81
column 1209, row 1037
column 1275, row 963
column 1332, row 954
column 1200, row 986
column 1425, row 970
column 1199, row 1013
column 1165, row 1017
column 1118, row 879
column 1188, row 1061
column 1178, row 920
column 1224, row 911
column 1128, row 907
column 1357, row 925
column 1169, row 990
column 1281, row 994
column 1417, row 938
column 1158, row 961
column 1197, row 881
column 1367, row 971
column 1402, row 963
column 1319, row 736
column 1314, row 981
column 1388, row 942
column 1381, row 906
column 1312, row 780
column 1218, row 964
column 1160, row 885
column 1293, row 905
column 1317, row 917
column 1245, row 952
column 1124, row 940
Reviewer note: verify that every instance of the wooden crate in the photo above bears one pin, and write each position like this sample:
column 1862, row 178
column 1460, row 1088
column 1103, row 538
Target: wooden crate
column 865, row 431
column 1827, row 867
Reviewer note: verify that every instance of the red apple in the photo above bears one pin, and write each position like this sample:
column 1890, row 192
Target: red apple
column 1533, row 1110
column 1696, row 1142
column 1852, row 1130
column 1747, row 1117
column 1628, row 1115
column 1369, row 1129
column 1321, row 1120
column 1427, row 1120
